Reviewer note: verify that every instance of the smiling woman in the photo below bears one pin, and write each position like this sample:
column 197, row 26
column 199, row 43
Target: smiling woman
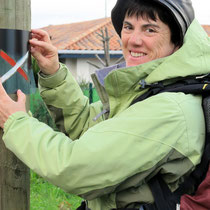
column 109, row 151
column 148, row 32
column 144, row 40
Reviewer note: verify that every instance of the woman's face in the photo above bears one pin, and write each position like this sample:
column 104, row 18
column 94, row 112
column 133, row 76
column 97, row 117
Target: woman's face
column 144, row 40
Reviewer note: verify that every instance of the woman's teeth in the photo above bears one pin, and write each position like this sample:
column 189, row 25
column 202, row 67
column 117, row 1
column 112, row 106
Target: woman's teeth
column 134, row 54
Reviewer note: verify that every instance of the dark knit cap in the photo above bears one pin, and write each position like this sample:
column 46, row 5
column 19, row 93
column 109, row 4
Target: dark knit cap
column 181, row 10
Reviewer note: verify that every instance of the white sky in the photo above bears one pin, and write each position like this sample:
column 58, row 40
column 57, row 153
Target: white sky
column 54, row 12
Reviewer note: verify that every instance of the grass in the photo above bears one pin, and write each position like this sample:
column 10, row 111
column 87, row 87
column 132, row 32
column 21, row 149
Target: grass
column 45, row 196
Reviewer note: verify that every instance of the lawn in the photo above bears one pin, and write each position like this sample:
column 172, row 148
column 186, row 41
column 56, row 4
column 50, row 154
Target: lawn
column 45, row 196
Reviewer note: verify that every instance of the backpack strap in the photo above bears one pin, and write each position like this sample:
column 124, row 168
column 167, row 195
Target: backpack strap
column 192, row 85
column 161, row 193
column 164, row 198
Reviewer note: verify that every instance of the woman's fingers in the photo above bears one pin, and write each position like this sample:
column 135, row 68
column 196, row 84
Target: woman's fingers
column 40, row 48
column 44, row 52
column 40, row 35
column 8, row 106
column 41, row 44
column 3, row 93
column 21, row 97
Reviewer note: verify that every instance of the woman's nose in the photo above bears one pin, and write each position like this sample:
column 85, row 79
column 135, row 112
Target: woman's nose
column 135, row 38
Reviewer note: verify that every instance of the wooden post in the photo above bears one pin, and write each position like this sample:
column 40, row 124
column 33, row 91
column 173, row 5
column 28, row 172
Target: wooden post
column 14, row 175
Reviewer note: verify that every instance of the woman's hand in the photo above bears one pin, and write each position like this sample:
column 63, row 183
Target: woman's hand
column 44, row 52
column 8, row 106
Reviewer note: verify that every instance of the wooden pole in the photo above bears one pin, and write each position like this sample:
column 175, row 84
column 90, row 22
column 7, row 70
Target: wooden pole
column 14, row 175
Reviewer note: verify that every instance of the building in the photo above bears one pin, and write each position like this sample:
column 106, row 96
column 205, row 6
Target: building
column 79, row 43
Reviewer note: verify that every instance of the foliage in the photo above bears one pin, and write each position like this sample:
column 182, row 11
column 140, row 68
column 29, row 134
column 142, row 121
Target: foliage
column 39, row 110
column 84, row 84
column 88, row 90
column 35, row 68
column 45, row 196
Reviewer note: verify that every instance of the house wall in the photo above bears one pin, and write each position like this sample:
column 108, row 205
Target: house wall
column 72, row 66
column 82, row 70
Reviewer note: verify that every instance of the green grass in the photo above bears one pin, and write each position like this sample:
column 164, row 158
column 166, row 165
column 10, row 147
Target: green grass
column 45, row 196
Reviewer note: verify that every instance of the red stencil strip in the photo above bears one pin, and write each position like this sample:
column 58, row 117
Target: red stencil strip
column 12, row 63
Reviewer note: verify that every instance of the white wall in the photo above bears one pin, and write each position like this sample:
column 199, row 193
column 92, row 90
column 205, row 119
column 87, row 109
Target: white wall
column 82, row 70
column 72, row 66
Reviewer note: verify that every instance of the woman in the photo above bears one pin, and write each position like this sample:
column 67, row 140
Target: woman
column 112, row 158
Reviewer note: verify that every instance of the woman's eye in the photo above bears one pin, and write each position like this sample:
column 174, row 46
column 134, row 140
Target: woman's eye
column 150, row 30
column 127, row 27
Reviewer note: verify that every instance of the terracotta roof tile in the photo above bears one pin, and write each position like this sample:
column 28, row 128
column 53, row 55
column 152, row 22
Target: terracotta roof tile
column 207, row 29
column 84, row 35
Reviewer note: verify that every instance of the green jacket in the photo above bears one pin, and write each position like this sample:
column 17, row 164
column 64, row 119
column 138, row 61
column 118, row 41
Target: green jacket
column 108, row 162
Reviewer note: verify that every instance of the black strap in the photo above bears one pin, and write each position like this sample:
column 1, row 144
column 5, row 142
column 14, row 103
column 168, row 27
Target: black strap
column 164, row 199
column 190, row 85
column 161, row 194
column 83, row 206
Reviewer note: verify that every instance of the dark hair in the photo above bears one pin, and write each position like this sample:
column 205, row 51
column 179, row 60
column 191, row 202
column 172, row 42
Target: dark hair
column 151, row 10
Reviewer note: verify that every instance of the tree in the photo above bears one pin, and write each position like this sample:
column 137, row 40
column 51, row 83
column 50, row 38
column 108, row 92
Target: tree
column 14, row 175
column 105, row 38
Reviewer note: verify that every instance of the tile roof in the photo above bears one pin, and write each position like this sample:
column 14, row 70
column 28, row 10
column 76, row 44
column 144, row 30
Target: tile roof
column 84, row 35
column 207, row 29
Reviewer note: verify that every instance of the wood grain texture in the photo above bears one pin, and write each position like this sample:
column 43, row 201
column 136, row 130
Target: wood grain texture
column 14, row 175
column 15, row 14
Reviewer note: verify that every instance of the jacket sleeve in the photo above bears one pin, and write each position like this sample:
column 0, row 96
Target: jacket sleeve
column 111, row 151
column 66, row 103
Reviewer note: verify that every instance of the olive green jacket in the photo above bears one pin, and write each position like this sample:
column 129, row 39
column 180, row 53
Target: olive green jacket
column 108, row 162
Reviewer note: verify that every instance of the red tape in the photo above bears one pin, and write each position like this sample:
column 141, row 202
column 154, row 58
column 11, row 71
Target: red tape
column 12, row 63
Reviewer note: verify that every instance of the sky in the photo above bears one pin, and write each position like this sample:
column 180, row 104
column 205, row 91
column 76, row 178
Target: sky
column 48, row 12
